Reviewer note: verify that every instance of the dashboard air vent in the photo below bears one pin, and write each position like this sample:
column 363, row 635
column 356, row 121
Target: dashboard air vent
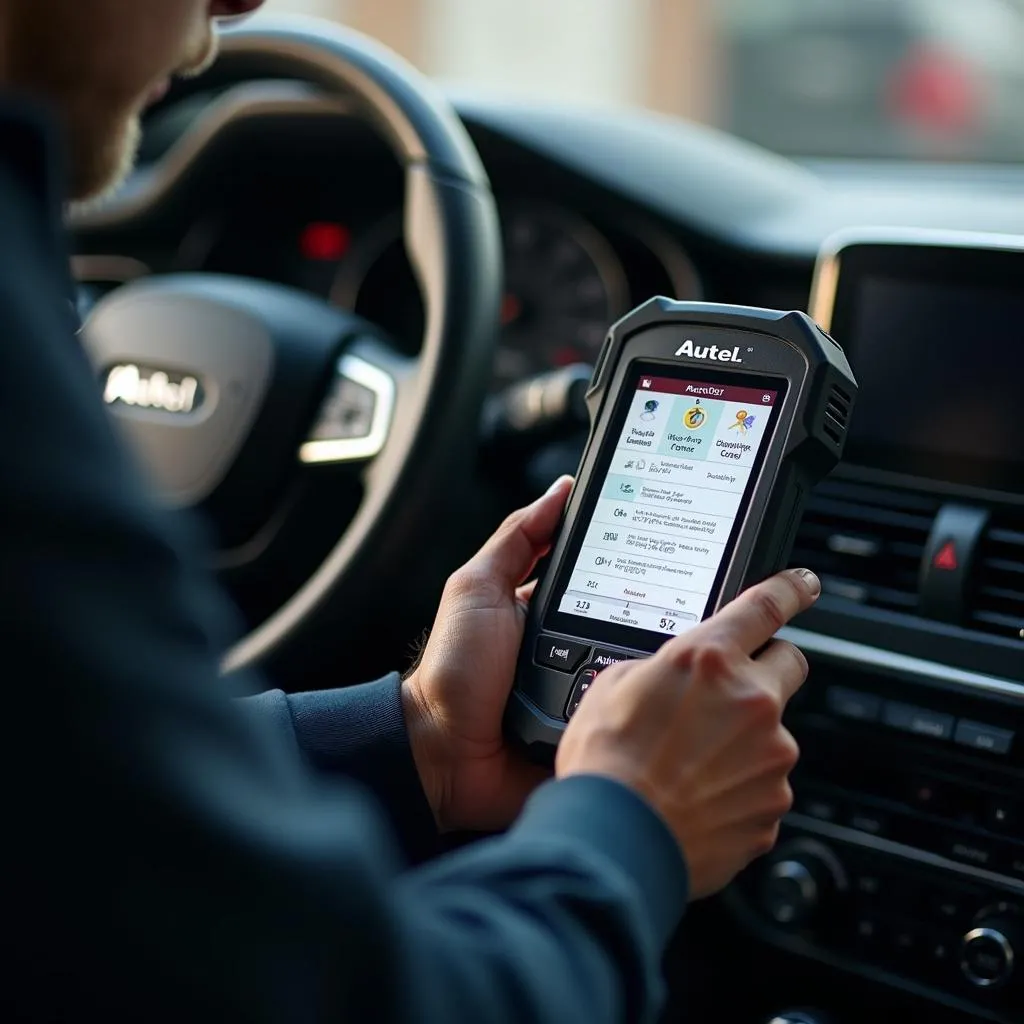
column 997, row 604
column 866, row 542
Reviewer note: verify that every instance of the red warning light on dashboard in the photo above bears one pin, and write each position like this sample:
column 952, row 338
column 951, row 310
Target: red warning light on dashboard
column 945, row 558
column 326, row 241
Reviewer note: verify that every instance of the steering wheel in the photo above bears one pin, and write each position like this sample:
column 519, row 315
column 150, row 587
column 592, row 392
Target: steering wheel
column 219, row 380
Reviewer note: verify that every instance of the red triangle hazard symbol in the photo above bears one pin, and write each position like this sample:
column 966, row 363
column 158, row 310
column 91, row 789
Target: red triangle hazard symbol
column 945, row 558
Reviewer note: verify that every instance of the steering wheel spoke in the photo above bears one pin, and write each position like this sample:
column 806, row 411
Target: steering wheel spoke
column 355, row 419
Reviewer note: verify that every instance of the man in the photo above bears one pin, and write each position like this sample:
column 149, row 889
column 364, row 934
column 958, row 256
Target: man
column 174, row 855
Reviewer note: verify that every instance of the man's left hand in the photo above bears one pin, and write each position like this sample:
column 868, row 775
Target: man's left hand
column 455, row 698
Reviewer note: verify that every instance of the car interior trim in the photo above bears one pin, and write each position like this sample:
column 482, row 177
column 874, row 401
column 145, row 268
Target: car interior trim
column 863, row 656
column 829, row 830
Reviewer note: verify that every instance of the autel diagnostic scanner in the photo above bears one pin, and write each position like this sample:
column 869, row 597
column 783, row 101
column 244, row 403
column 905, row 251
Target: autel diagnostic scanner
column 709, row 424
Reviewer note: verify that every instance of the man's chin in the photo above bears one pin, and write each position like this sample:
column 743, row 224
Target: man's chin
column 100, row 166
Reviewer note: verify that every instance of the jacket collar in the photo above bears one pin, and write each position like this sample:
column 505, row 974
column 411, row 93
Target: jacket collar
column 31, row 150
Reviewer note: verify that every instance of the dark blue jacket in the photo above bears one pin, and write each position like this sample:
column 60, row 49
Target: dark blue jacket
column 173, row 854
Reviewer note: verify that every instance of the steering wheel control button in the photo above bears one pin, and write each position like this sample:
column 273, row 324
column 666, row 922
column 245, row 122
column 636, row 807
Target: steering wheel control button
column 356, row 415
column 583, row 683
column 862, row 707
column 563, row 655
column 605, row 659
column 347, row 412
column 984, row 737
column 918, row 721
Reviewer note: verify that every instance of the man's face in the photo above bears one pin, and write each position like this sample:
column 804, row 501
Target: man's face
column 99, row 63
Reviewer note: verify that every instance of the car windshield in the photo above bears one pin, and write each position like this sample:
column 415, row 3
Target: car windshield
column 903, row 79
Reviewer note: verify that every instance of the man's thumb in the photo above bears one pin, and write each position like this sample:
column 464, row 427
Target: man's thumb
column 512, row 552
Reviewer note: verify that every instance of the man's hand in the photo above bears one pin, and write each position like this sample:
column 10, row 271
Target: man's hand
column 697, row 730
column 455, row 699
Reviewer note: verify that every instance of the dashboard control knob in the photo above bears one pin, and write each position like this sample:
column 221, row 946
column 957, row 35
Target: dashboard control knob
column 797, row 881
column 991, row 950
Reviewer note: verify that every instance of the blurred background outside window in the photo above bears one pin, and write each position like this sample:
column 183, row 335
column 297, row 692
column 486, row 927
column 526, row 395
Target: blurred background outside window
column 905, row 79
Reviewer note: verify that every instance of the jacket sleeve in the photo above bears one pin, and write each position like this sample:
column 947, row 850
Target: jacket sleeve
column 169, row 857
column 359, row 733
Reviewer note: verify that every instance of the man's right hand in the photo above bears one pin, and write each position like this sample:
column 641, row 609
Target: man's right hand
column 697, row 729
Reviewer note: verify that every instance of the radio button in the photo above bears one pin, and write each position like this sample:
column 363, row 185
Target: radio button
column 872, row 822
column 970, row 851
column 906, row 941
column 1002, row 814
column 563, row 655
column 919, row 721
column 817, row 807
column 868, row 933
column 863, row 707
column 984, row 737
column 868, row 884
column 939, row 954
column 950, row 908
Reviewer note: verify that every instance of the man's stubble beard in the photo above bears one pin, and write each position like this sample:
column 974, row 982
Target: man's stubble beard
column 104, row 144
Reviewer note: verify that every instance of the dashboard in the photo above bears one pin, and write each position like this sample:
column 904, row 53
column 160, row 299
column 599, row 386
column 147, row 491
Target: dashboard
column 567, row 276
column 898, row 888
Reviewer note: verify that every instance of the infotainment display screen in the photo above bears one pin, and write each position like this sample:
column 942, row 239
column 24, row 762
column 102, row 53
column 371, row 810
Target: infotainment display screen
column 935, row 335
column 677, row 472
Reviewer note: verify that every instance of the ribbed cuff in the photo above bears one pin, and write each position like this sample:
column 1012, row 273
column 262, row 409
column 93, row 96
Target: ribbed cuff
column 359, row 731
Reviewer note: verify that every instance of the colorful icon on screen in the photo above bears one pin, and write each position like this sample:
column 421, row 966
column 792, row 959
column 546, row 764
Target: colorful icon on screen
column 650, row 408
column 744, row 421
column 695, row 418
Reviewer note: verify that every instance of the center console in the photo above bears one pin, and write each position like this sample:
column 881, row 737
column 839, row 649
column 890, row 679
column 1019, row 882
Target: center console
column 903, row 859
column 904, row 856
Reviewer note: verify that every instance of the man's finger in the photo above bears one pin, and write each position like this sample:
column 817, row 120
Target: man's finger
column 759, row 613
column 512, row 552
column 783, row 667
column 524, row 594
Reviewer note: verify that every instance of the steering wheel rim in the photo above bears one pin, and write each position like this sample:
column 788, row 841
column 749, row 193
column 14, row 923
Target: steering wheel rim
column 452, row 238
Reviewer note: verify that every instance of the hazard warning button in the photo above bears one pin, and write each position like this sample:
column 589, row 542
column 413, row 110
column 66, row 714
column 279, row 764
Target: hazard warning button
column 945, row 559
column 946, row 565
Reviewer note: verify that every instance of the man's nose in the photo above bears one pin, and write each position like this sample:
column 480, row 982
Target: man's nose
column 233, row 8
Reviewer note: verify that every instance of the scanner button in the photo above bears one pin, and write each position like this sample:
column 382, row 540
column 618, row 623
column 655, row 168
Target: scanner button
column 564, row 655
column 583, row 683
column 605, row 659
